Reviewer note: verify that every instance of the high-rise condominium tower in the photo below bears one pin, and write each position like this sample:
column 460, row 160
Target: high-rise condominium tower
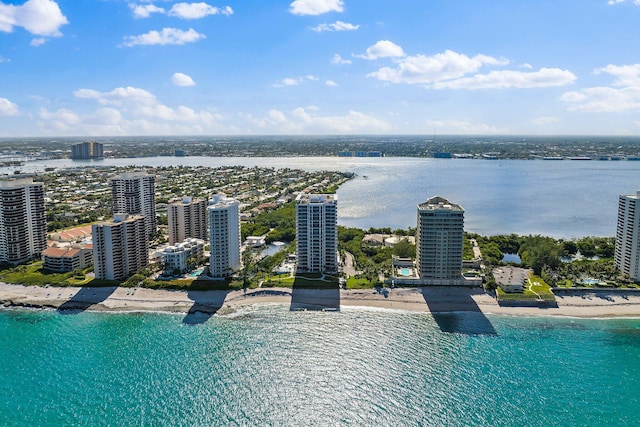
column 627, row 254
column 23, row 225
column 120, row 247
column 439, row 240
column 134, row 193
column 224, row 236
column 187, row 218
column 87, row 150
column 317, row 233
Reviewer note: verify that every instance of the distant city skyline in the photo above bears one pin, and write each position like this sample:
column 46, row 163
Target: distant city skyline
column 126, row 68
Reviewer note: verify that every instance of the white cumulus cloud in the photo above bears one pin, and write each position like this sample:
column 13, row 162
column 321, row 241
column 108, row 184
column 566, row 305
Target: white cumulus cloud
column 168, row 36
column 337, row 59
column 39, row 17
column 294, row 81
column 604, row 99
column 422, row 69
column 315, row 7
column 145, row 10
column 7, row 108
column 197, row 10
column 626, row 75
column 181, row 79
column 543, row 120
column 623, row 94
column 139, row 102
column 465, row 127
column 382, row 49
column 331, row 83
column 545, row 77
column 180, row 10
column 302, row 121
column 38, row 41
column 612, row 2
column 129, row 111
column 336, row 26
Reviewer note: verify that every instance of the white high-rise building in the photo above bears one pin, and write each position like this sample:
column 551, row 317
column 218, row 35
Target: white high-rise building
column 23, row 224
column 317, row 233
column 134, row 193
column 120, row 247
column 224, row 236
column 439, row 241
column 187, row 219
column 627, row 254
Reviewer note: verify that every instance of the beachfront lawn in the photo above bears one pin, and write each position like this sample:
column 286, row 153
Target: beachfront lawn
column 362, row 283
column 194, row 285
column 34, row 275
column 535, row 289
column 307, row 281
column 282, row 281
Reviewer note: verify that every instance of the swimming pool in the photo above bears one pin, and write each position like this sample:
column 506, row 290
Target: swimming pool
column 197, row 272
column 405, row 272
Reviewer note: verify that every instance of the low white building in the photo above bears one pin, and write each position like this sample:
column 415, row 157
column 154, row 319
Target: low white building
column 175, row 257
column 255, row 241
column 511, row 279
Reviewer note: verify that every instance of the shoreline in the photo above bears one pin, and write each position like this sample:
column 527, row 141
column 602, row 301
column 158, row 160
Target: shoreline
column 587, row 304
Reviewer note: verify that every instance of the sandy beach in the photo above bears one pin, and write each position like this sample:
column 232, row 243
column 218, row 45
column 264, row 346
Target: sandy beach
column 432, row 299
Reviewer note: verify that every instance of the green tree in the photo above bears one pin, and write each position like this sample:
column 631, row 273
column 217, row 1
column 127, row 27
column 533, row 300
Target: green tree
column 404, row 249
column 569, row 247
column 586, row 247
column 538, row 251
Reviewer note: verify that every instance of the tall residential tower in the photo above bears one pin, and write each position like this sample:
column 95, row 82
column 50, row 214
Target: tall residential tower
column 134, row 193
column 317, row 233
column 627, row 254
column 23, row 225
column 439, row 240
column 120, row 247
column 187, row 219
column 224, row 236
column 87, row 150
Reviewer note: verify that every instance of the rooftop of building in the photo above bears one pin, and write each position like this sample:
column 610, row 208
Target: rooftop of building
column 308, row 198
column 17, row 183
column 72, row 234
column 508, row 274
column 633, row 196
column 187, row 244
column 437, row 203
column 122, row 217
column 54, row 252
column 219, row 201
column 185, row 201
column 132, row 175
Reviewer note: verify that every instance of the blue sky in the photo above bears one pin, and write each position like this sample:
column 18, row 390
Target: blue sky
column 117, row 67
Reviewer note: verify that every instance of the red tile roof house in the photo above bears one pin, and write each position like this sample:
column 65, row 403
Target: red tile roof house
column 67, row 259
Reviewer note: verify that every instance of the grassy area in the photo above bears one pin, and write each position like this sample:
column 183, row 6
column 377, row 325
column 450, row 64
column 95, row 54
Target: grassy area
column 307, row 281
column 353, row 283
column 282, row 281
column 194, row 285
column 536, row 289
column 34, row 275
column 566, row 283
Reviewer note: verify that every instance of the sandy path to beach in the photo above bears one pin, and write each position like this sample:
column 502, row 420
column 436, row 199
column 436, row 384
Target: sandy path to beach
column 432, row 299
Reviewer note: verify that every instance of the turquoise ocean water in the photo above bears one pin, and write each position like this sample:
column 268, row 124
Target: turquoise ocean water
column 266, row 365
